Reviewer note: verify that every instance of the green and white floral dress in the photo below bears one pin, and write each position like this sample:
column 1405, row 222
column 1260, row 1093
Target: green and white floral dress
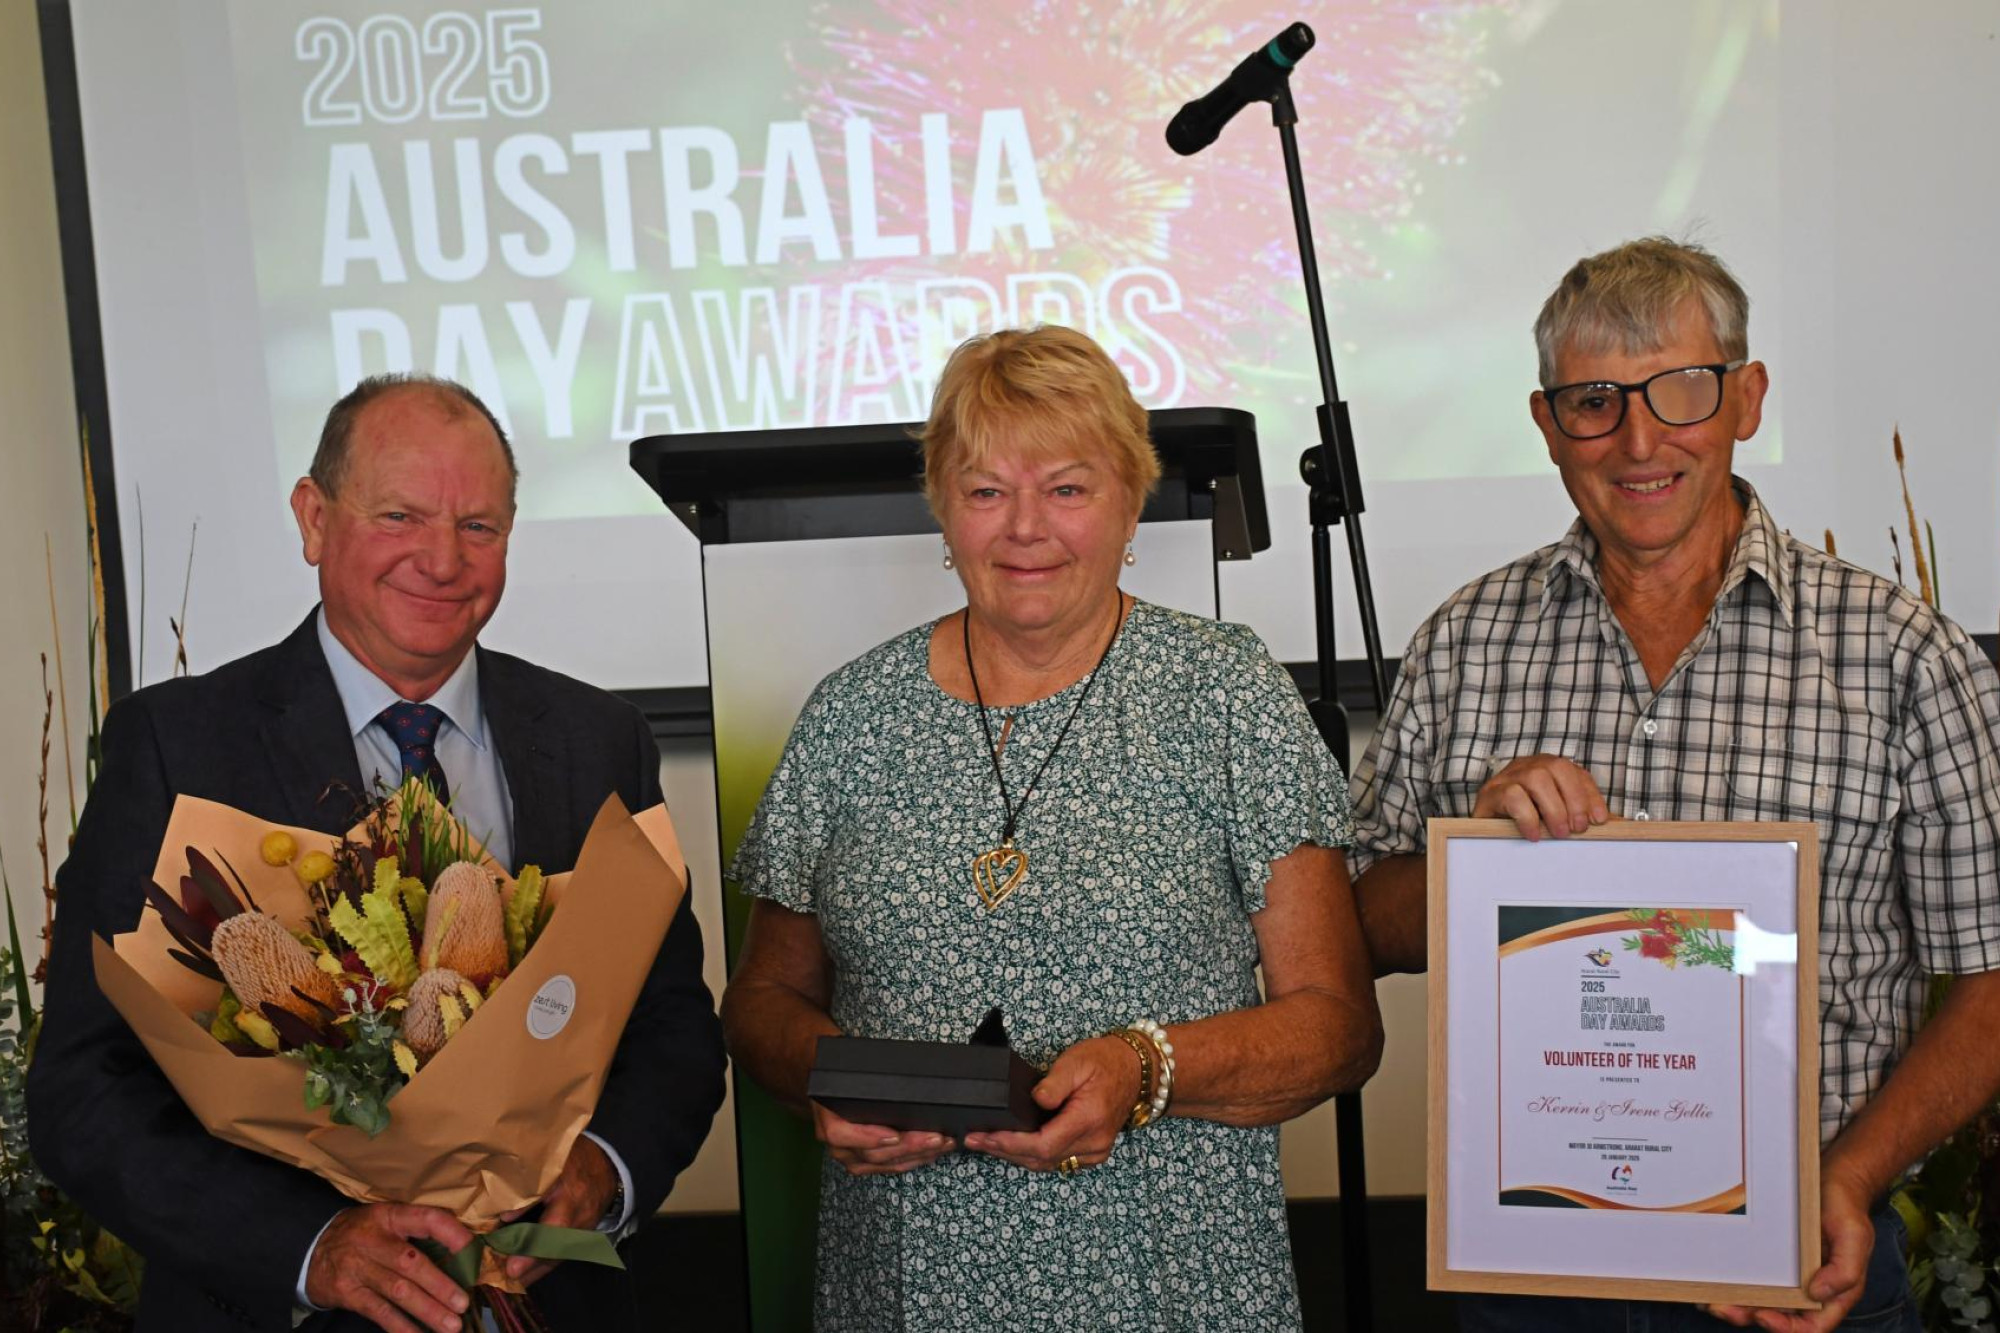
column 1190, row 768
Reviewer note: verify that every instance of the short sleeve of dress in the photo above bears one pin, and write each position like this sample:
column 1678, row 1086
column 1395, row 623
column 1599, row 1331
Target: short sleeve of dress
column 789, row 836
column 1285, row 786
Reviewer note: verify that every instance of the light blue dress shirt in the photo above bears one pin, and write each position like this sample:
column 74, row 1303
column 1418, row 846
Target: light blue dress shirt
column 479, row 800
column 479, row 796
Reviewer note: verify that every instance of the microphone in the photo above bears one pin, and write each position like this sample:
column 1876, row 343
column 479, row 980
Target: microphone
column 1259, row 78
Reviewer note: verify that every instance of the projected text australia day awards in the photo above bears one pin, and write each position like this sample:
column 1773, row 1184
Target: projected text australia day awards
column 807, row 274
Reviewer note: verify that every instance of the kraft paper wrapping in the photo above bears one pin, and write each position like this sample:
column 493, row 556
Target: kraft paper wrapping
column 483, row 1128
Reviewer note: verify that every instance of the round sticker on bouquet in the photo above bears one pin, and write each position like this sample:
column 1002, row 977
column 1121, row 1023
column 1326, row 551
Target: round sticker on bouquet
column 549, row 1011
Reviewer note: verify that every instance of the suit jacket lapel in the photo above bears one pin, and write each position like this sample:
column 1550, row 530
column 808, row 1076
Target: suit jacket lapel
column 305, row 733
column 534, row 754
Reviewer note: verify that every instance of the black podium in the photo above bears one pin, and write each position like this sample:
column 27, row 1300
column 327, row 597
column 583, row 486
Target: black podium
column 816, row 545
column 864, row 481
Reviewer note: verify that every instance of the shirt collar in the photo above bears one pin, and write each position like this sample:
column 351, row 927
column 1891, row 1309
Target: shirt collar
column 363, row 694
column 1761, row 549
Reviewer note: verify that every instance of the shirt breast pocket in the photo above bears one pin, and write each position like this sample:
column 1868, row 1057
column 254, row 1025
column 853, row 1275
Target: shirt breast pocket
column 1836, row 772
column 1460, row 769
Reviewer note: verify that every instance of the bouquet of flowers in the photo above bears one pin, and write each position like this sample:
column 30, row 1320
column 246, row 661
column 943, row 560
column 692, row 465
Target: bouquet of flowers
column 392, row 1011
column 408, row 935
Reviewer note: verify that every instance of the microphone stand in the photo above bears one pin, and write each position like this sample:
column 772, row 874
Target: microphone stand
column 1334, row 486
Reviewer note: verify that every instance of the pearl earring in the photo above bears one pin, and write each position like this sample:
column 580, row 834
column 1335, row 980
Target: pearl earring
column 1130, row 558
column 948, row 562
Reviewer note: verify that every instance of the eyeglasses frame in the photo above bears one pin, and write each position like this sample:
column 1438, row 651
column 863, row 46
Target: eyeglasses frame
column 1644, row 388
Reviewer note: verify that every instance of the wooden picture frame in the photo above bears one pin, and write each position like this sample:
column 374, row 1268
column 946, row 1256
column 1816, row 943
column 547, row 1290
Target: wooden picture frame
column 1590, row 1136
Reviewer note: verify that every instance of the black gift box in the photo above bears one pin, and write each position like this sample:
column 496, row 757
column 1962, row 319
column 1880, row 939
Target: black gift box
column 926, row 1085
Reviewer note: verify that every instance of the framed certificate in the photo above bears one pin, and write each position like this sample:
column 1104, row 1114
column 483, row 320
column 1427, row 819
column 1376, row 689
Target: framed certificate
column 1624, row 1061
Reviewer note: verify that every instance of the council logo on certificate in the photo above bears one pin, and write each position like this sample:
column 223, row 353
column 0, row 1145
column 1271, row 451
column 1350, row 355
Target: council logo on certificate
column 1620, row 1059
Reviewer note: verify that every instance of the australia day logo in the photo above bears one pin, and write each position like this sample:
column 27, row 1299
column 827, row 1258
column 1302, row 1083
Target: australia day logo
column 1621, row 1174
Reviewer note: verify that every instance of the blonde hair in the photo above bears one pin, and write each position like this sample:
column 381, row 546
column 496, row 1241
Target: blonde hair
column 1048, row 392
column 1630, row 297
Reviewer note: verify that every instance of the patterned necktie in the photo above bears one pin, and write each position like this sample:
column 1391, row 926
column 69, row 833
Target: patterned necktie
column 414, row 728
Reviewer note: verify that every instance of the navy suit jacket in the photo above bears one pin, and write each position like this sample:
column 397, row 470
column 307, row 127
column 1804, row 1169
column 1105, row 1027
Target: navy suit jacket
column 224, row 1230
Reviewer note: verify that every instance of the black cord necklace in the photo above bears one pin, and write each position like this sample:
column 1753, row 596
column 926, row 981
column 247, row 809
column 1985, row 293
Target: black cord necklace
column 998, row 872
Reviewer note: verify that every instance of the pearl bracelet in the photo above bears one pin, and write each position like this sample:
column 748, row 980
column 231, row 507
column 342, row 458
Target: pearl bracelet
column 1163, row 1085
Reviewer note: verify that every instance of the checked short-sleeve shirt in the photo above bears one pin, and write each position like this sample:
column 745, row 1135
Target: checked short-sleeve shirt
column 1814, row 691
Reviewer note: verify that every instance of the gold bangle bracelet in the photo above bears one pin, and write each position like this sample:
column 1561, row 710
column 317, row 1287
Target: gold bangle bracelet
column 1142, row 1110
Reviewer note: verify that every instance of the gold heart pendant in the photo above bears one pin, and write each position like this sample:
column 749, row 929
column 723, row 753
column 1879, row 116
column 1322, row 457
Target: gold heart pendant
column 998, row 873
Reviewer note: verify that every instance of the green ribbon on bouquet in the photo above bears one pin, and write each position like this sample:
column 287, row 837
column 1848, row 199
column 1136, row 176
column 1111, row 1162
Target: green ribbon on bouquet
column 534, row 1239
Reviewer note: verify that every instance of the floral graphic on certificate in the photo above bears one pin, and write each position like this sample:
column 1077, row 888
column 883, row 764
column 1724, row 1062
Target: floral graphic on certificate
column 1620, row 1059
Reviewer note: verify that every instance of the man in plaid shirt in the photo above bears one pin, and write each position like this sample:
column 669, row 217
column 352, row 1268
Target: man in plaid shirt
column 1678, row 656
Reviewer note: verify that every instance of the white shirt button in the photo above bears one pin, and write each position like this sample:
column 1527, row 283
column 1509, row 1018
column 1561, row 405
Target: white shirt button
column 1650, row 727
column 1642, row 815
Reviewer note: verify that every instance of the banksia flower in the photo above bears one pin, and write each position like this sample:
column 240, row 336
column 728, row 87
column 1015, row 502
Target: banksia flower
column 464, row 924
column 436, row 1009
column 264, row 964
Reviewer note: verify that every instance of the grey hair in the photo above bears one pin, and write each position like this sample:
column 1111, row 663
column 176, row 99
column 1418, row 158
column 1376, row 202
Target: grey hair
column 336, row 437
column 1630, row 296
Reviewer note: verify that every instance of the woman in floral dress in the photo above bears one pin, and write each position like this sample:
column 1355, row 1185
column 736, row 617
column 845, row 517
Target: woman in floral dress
column 1101, row 816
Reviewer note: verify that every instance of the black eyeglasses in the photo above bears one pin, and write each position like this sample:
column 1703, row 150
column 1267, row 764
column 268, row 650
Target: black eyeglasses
column 1684, row 397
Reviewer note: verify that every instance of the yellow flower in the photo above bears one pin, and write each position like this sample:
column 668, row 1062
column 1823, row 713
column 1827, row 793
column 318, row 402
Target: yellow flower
column 453, row 1016
column 278, row 848
column 313, row 867
column 258, row 1029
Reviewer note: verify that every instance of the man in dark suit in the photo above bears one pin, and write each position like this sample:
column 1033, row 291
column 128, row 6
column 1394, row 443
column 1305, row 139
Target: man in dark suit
column 406, row 515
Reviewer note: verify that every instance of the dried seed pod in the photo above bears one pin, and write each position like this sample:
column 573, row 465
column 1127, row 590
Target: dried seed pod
column 424, row 1023
column 465, row 925
column 264, row 964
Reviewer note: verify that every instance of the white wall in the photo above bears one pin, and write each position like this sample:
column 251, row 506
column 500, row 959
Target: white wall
column 41, row 490
column 1888, row 181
